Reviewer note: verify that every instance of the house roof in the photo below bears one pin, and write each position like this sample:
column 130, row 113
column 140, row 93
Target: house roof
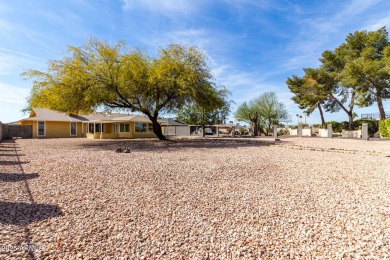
column 172, row 122
column 44, row 114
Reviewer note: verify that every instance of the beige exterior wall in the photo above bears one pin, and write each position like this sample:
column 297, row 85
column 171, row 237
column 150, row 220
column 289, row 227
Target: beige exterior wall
column 109, row 129
column 54, row 129
column 62, row 130
column 79, row 129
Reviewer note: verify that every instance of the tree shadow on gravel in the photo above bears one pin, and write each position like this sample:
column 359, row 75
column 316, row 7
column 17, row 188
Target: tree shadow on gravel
column 9, row 150
column 5, row 163
column 153, row 145
column 15, row 177
column 18, row 213
column 11, row 154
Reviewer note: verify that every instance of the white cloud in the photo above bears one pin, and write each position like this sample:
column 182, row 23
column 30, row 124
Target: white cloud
column 326, row 32
column 240, row 5
column 13, row 94
column 356, row 7
column 12, row 61
column 21, row 54
column 194, row 37
column 376, row 24
column 165, row 6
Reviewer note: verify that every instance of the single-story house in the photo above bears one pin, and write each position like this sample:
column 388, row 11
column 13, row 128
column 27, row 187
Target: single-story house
column 171, row 126
column 47, row 123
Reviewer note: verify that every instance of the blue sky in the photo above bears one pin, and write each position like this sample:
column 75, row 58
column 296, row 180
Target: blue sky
column 252, row 46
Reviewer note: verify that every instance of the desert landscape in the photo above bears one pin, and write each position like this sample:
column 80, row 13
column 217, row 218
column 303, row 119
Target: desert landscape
column 194, row 198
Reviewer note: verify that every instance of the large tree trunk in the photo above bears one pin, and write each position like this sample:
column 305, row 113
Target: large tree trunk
column 203, row 124
column 321, row 114
column 380, row 107
column 350, row 121
column 268, row 128
column 255, row 128
column 349, row 112
column 157, row 129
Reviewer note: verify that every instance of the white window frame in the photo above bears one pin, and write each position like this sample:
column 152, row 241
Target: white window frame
column 71, row 128
column 135, row 129
column 44, row 128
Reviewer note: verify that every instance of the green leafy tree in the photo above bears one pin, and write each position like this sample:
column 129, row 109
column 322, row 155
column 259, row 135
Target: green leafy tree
column 355, row 73
column 117, row 77
column 193, row 113
column 308, row 94
column 249, row 113
column 265, row 110
column 271, row 111
column 366, row 67
column 341, row 96
column 322, row 86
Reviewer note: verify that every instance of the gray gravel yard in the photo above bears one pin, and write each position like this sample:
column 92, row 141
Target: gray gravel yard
column 195, row 199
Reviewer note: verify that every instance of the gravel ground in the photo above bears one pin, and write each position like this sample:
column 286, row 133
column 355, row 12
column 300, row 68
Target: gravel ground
column 214, row 198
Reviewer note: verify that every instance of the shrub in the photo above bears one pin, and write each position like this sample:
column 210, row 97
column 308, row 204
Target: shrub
column 372, row 127
column 243, row 131
column 344, row 125
column 283, row 132
column 384, row 127
column 336, row 126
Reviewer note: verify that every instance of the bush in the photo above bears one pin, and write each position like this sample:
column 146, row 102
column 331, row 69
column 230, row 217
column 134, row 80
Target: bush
column 243, row 131
column 336, row 126
column 344, row 125
column 384, row 127
column 372, row 127
column 283, row 132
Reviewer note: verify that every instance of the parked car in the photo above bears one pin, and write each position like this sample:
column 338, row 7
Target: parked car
column 208, row 131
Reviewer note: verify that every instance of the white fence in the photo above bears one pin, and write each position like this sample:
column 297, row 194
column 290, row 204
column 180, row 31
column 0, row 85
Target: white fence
column 305, row 132
column 323, row 132
column 352, row 133
column 327, row 133
column 176, row 130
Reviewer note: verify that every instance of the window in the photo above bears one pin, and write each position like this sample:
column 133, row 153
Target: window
column 140, row 127
column 73, row 129
column 41, row 129
column 150, row 127
column 99, row 128
column 91, row 128
column 124, row 128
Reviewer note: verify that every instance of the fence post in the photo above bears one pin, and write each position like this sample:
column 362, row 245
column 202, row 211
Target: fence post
column 299, row 130
column 1, row 132
column 330, row 131
column 275, row 131
column 365, row 135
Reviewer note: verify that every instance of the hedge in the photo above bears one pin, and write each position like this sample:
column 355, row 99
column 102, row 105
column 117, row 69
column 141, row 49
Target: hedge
column 336, row 126
column 372, row 128
column 384, row 127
